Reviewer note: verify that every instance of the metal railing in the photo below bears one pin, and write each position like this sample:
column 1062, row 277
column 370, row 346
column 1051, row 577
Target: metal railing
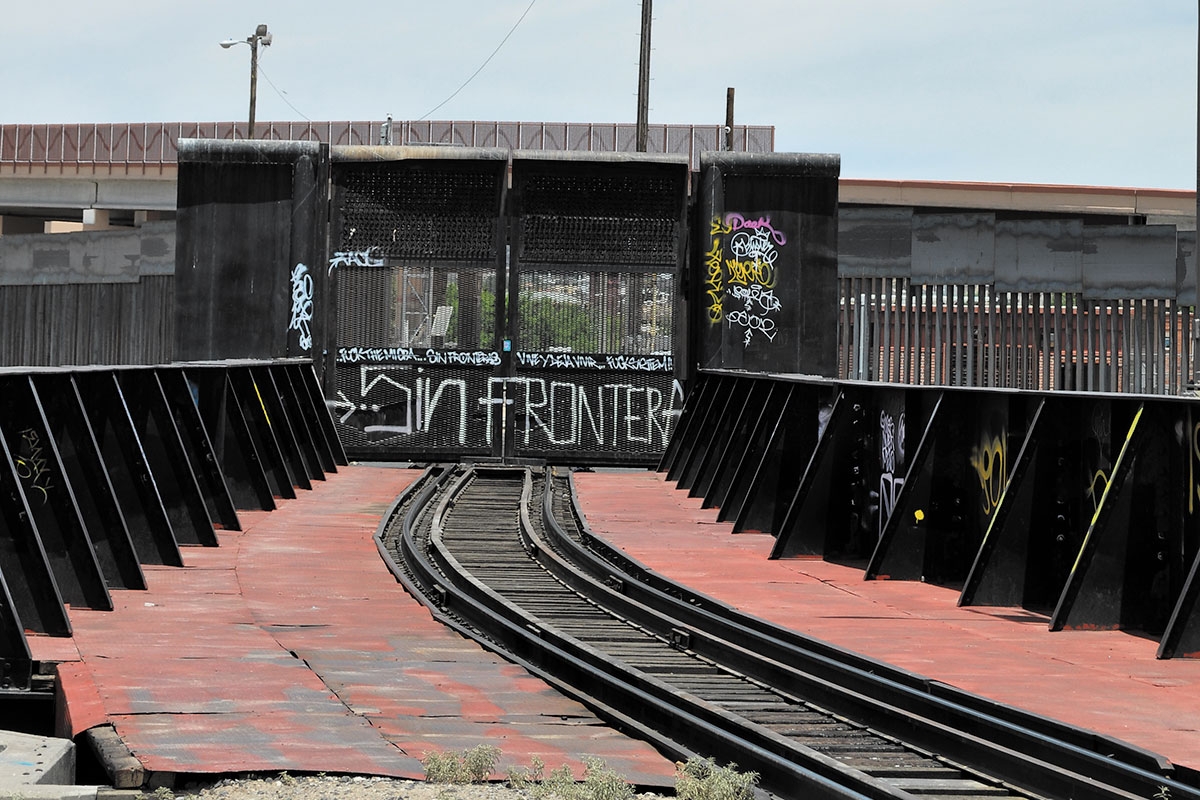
column 973, row 335
column 30, row 147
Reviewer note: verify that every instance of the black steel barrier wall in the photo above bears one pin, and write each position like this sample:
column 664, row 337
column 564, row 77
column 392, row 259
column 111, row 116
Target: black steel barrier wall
column 1084, row 508
column 250, row 242
column 104, row 469
column 764, row 294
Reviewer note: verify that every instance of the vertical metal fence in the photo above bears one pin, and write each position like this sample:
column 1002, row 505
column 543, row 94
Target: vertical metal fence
column 973, row 335
column 1056, row 303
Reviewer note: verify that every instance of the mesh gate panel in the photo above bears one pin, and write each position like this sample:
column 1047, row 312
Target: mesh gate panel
column 415, row 408
column 404, row 211
column 417, row 306
column 580, row 311
column 416, row 274
column 595, row 415
column 600, row 219
column 595, row 281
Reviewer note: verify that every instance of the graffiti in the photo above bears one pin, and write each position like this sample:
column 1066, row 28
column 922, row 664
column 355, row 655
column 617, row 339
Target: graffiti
column 398, row 407
column 990, row 460
column 1097, row 488
column 662, row 363
column 751, row 274
column 1163, row 793
column 654, row 363
column 562, row 413
column 558, row 361
column 753, row 323
column 302, row 305
column 32, row 467
column 756, row 247
column 397, row 400
column 478, row 358
column 736, row 222
column 359, row 258
column 891, row 456
column 407, row 355
column 714, row 283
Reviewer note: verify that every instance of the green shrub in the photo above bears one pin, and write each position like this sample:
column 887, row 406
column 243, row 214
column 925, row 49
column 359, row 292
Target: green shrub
column 473, row 766
column 703, row 779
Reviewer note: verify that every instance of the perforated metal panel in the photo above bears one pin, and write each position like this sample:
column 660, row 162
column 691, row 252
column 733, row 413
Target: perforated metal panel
column 401, row 210
column 600, row 219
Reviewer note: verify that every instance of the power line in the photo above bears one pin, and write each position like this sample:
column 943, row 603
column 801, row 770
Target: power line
column 282, row 94
column 481, row 66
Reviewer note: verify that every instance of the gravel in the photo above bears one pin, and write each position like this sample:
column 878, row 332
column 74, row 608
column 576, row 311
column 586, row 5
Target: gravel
column 327, row 787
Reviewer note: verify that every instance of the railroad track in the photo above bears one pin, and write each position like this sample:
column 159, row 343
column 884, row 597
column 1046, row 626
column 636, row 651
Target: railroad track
column 503, row 555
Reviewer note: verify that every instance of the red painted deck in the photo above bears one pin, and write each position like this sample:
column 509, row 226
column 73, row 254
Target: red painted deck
column 1107, row 681
column 291, row 647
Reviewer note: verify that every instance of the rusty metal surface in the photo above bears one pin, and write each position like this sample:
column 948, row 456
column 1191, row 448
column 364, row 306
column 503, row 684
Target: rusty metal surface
column 291, row 647
column 1107, row 681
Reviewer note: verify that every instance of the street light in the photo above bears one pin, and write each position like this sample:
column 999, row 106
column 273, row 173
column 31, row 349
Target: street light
column 260, row 35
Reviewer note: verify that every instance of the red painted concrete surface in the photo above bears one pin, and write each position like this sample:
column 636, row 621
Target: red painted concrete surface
column 292, row 647
column 1106, row 681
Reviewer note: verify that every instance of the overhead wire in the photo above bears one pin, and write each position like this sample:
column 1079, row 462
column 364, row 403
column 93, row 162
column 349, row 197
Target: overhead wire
column 282, row 94
column 481, row 66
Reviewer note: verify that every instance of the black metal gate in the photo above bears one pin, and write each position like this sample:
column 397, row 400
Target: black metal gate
column 541, row 325
column 596, row 249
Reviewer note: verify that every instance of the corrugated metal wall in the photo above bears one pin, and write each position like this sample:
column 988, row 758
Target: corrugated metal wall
column 93, row 297
column 82, row 323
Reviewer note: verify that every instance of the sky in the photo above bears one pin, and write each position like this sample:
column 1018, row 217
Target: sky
column 1095, row 92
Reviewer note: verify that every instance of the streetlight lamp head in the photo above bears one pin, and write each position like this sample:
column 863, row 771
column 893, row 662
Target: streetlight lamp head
column 228, row 43
column 261, row 30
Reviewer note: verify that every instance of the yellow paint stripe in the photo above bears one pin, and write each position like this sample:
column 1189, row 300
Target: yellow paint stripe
column 1108, row 485
column 261, row 403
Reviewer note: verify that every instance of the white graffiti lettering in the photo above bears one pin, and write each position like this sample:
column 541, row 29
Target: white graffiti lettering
column 407, row 355
column 360, row 258
column 302, row 305
column 891, row 457
column 756, row 246
column 752, row 323
column 654, row 363
column 478, row 358
column 400, row 401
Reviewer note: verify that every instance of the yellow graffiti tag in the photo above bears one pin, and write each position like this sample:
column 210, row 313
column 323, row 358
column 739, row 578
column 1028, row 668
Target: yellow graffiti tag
column 751, row 272
column 1096, row 489
column 714, row 283
column 990, row 460
column 719, row 227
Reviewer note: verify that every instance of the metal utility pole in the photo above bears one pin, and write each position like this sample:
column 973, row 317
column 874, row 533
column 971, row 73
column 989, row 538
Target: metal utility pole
column 643, row 109
column 260, row 35
column 729, row 118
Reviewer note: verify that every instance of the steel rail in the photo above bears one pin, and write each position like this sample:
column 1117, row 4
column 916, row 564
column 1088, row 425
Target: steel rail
column 629, row 703
column 1083, row 758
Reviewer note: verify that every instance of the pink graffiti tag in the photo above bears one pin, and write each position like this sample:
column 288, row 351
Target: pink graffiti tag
column 735, row 222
